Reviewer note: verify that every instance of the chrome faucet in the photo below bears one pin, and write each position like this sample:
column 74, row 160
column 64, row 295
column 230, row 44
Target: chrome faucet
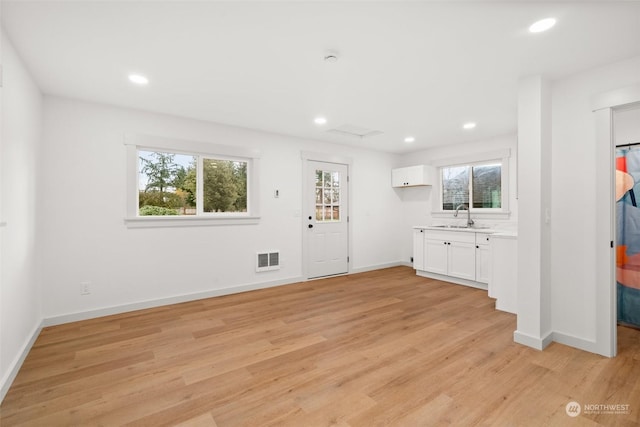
column 469, row 220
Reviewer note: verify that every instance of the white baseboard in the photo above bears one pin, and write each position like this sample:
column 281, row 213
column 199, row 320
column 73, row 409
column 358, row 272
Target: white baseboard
column 576, row 342
column 450, row 279
column 539, row 343
column 15, row 366
column 379, row 267
column 108, row 311
column 560, row 338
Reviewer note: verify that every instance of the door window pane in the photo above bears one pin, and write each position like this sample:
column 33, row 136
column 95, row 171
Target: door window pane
column 327, row 196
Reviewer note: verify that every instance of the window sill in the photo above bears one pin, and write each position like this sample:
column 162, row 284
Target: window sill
column 164, row 222
column 463, row 214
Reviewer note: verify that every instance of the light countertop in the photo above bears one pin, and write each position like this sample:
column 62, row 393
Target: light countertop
column 479, row 229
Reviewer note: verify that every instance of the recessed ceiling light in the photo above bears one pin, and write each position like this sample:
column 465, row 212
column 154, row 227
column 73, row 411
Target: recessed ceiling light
column 542, row 25
column 320, row 120
column 409, row 139
column 469, row 125
column 138, row 79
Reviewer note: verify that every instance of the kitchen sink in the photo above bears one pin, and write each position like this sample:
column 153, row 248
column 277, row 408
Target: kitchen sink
column 473, row 227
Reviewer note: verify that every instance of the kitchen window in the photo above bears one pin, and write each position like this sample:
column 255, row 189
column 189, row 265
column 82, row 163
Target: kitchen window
column 477, row 186
column 476, row 181
column 185, row 183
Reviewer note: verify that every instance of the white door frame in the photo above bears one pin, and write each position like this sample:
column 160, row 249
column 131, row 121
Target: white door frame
column 606, row 292
column 328, row 158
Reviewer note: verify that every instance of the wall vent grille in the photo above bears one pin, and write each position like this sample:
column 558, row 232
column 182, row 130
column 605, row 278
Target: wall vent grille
column 266, row 261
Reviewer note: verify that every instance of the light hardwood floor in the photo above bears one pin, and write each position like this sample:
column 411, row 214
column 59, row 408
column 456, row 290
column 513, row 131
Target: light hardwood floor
column 372, row 349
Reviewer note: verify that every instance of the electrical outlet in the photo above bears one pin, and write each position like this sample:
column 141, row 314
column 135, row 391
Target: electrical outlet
column 85, row 288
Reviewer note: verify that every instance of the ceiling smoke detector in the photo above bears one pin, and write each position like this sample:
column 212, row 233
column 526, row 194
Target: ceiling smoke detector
column 331, row 57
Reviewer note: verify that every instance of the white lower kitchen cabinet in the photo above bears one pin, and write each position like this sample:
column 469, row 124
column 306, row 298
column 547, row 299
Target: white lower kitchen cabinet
column 450, row 253
column 418, row 249
column 482, row 257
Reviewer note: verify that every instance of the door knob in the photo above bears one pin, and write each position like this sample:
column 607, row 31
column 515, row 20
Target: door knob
column 310, row 225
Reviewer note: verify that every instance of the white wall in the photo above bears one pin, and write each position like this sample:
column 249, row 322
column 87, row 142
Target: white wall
column 573, row 219
column 417, row 202
column 20, row 295
column 85, row 239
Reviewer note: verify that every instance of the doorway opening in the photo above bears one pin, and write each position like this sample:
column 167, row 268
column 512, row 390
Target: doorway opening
column 626, row 137
column 604, row 109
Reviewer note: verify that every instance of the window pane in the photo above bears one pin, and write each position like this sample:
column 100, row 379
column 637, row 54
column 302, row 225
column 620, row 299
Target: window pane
column 327, row 213
column 166, row 184
column 487, row 186
column 224, row 185
column 455, row 187
column 327, row 179
column 328, row 196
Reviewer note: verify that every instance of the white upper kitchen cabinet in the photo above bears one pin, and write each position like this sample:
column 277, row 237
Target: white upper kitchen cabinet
column 411, row 176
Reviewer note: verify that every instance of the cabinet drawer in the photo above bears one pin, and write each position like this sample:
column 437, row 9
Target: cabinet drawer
column 482, row 239
column 452, row 236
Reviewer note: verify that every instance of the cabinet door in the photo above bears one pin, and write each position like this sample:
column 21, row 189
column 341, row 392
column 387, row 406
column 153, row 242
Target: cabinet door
column 462, row 260
column 418, row 249
column 435, row 256
column 399, row 177
column 482, row 264
column 415, row 175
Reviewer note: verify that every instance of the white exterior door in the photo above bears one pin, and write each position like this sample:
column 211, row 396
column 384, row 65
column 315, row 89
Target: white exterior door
column 326, row 219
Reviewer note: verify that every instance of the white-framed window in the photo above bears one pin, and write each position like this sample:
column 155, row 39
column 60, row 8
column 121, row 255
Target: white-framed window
column 185, row 183
column 478, row 182
column 477, row 186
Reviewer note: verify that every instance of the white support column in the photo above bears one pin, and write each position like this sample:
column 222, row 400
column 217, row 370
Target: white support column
column 534, row 213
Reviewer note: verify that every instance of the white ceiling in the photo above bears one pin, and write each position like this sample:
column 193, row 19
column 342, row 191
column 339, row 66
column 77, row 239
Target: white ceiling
column 405, row 68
